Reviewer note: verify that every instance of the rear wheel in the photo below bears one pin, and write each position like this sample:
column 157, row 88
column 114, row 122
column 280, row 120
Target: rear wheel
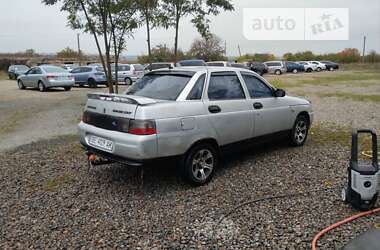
column 67, row 88
column 278, row 72
column 309, row 70
column 41, row 86
column 128, row 81
column 331, row 69
column 300, row 131
column 20, row 84
column 295, row 71
column 199, row 164
column 92, row 83
column 319, row 69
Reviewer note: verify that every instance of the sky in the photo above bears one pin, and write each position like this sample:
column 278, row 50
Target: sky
column 29, row 24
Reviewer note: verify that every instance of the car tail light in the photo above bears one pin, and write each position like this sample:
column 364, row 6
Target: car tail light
column 52, row 78
column 142, row 127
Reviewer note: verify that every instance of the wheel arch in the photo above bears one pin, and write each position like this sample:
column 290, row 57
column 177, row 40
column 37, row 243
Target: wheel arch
column 306, row 114
column 211, row 141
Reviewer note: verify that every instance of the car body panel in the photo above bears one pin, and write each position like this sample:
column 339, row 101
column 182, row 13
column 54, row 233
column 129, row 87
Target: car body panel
column 273, row 66
column 39, row 74
column 84, row 74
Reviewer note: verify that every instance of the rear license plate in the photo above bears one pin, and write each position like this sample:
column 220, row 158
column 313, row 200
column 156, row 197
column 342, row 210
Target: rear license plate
column 100, row 143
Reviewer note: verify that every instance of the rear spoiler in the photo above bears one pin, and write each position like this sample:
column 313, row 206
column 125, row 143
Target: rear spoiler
column 112, row 98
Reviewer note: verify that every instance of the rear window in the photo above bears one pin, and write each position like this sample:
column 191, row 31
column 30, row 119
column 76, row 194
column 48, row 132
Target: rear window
column 163, row 86
column 192, row 63
column 159, row 66
column 215, row 64
column 138, row 67
column 53, row 69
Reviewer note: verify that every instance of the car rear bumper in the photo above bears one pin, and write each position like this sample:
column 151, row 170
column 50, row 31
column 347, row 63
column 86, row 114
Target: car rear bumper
column 125, row 146
column 50, row 84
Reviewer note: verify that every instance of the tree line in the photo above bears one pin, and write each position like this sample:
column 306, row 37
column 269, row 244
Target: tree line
column 112, row 22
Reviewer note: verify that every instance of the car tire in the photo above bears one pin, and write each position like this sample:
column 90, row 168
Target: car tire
column 41, row 86
column 299, row 131
column 295, row 71
column 331, row 69
column 199, row 163
column 309, row 70
column 67, row 88
column 319, row 69
column 128, row 81
column 20, row 84
column 92, row 83
column 278, row 72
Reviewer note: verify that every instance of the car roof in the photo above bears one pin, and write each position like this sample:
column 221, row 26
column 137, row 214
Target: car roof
column 196, row 69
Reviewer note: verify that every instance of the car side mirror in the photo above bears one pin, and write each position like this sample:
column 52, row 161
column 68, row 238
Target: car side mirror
column 279, row 93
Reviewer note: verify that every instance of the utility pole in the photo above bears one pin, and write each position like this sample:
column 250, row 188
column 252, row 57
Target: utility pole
column 79, row 52
column 364, row 42
column 225, row 48
column 239, row 50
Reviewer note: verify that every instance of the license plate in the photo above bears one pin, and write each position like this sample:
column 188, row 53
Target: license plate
column 101, row 143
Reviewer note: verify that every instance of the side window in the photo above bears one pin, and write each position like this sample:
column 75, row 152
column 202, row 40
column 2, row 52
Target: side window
column 256, row 88
column 196, row 92
column 225, row 86
column 86, row 70
column 77, row 70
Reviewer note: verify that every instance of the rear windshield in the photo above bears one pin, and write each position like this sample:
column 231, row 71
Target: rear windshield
column 53, row 69
column 160, row 86
column 138, row 67
column 192, row 63
column 215, row 64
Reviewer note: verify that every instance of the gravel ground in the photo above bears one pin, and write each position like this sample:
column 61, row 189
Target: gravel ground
column 50, row 200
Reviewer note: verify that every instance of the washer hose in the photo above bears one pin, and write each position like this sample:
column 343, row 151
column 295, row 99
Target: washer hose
column 339, row 223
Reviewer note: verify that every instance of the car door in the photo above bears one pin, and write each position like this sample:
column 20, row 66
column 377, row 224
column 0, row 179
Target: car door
column 228, row 108
column 270, row 114
column 35, row 77
column 76, row 73
column 26, row 79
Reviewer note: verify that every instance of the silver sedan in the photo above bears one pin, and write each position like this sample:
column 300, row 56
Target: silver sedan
column 45, row 77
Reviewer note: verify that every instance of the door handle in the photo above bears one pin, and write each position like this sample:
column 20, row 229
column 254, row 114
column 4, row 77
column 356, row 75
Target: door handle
column 258, row 105
column 214, row 109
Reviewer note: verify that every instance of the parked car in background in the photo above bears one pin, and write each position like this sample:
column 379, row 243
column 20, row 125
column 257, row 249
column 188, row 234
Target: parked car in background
column 91, row 76
column 158, row 65
column 294, row 67
column 128, row 73
column 319, row 66
column 46, row 76
column 15, row 70
column 258, row 67
column 276, row 67
column 191, row 63
column 330, row 65
column 309, row 67
column 240, row 65
column 219, row 64
column 70, row 67
column 191, row 114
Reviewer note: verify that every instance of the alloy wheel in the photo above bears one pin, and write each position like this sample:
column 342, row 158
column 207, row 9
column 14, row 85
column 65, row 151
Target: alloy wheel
column 300, row 132
column 202, row 164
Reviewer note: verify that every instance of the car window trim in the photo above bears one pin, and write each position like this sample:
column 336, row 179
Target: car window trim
column 194, row 85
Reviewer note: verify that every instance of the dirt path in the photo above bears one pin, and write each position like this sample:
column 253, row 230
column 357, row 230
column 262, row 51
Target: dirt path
column 29, row 115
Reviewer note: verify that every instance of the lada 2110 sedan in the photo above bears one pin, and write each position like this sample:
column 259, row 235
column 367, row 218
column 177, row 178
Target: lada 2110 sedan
column 190, row 113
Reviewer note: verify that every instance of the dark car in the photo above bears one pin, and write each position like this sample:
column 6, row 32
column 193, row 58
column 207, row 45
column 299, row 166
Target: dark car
column 258, row 67
column 16, row 70
column 191, row 63
column 89, row 75
column 330, row 65
column 239, row 65
column 294, row 67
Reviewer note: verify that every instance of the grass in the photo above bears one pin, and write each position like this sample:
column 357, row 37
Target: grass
column 354, row 97
column 53, row 184
column 344, row 78
column 3, row 75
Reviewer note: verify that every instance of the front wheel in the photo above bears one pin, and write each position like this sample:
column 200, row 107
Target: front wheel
column 319, row 69
column 295, row 71
column 92, row 83
column 199, row 164
column 278, row 72
column 128, row 81
column 67, row 88
column 20, row 84
column 300, row 131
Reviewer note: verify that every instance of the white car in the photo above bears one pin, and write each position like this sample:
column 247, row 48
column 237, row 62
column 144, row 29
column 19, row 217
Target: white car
column 309, row 67
column 128, row 73
column 319, row 66
column 219, row 64
column 191, row 114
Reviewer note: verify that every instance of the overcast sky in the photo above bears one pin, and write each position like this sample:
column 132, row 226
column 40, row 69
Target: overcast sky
column 29, row 24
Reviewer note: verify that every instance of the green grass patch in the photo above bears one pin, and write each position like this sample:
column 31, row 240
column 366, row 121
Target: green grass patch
column 345, row 78
column 55, row 183
column 354, row 97
column 279, row 83
column 3, row 75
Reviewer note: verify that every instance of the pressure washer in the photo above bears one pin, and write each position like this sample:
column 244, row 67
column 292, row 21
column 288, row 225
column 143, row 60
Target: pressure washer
column 362, row 186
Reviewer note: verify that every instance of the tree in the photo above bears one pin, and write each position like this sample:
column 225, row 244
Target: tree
column 174, row 10
column 161, row 53
column 208, row 49
column 30, row 52
column 98, row 17
column 67, row 53
column 150, row 14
